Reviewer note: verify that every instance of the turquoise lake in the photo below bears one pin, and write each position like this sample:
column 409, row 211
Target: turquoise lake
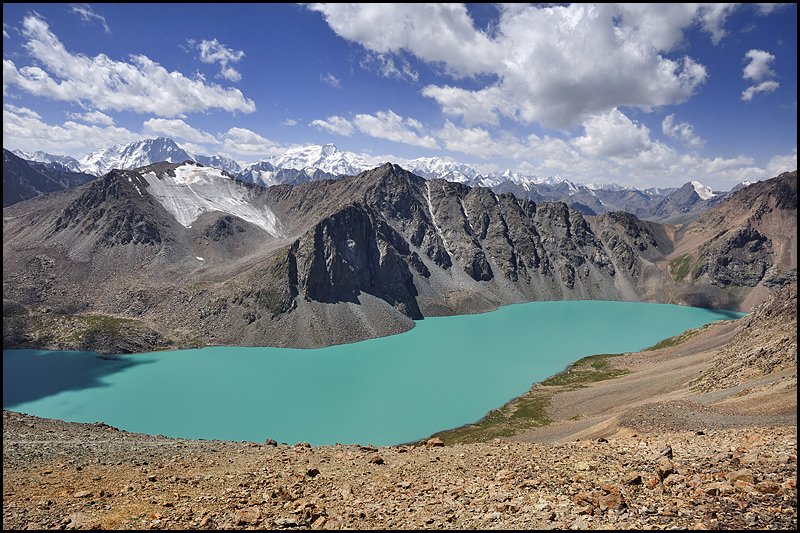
column 444, row 373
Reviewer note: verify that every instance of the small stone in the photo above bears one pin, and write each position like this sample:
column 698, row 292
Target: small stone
column 612, row 499
column 651, row 483
column 504, row 474
column 664, row 467
column 633, row 479
column 583, row 510
column 434, row 442
column 719, row 488
column 82, row 494
column 740, row 475
column 376, row 459
column 248, row 515
column 768, row 487
column 666, row 452
column 582, row 523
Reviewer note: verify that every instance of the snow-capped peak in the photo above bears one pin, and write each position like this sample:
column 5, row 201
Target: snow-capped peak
column 705, row 193
column 133, row 155
column 327, row 158
column 436, row 167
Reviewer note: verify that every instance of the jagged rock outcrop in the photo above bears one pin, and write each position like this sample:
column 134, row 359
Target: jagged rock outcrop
column 327, row 261
column 746, row 242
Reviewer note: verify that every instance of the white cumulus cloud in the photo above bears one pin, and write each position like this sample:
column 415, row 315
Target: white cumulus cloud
column 758, row 69
column 92, row 117
column 389, row 125
column 87, row 15
column 683, row 131
column 177, row 128
column 782, row 163
column 763, row 87
column 140, row 85
column 245, row 142
column 337, row 125
column 555, row 65
column 385, row 65
column 214, row 52
column 25, row 129
column 331, row 80
column 612, row 134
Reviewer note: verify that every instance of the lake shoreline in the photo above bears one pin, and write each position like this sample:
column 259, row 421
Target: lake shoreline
column 638, row 459
column 445, row 371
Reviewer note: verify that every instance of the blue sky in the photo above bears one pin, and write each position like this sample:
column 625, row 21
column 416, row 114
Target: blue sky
column 636, row 94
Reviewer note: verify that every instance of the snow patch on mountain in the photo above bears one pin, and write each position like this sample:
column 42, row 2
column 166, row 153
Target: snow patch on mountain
column 527, row 179
column 705, row 193
column 327, row 158
column 436, row 167
column 43, row 157
column 194, row 190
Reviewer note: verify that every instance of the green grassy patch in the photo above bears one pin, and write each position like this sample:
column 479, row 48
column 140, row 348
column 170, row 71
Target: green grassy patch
column 526, row 412
column 587, row 370
column 49, row 330
column 675, row 341
column 530, row 410
column 679, row 267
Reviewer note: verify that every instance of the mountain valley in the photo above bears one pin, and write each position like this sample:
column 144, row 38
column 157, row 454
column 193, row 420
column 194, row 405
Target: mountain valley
column 180, row 255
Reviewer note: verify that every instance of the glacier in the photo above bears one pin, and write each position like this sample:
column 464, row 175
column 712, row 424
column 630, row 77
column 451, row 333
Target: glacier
column 194, row 190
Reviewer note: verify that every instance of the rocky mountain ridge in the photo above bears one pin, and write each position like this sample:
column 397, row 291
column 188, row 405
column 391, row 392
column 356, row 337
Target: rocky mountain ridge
column 357, row 257
column 25, row 179
column 315, row 162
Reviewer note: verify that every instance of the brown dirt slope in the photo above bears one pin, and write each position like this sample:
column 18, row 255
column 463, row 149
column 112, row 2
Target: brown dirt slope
column 728, row 374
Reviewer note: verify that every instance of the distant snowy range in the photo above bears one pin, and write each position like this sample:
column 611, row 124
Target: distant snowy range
column 312, row 163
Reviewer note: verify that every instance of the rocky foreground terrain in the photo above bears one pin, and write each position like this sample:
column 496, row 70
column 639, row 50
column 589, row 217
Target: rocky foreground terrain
column 698, row 433
column 59, row 475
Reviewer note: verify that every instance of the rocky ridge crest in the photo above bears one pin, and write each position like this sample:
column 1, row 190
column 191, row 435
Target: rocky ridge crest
column 363, row 256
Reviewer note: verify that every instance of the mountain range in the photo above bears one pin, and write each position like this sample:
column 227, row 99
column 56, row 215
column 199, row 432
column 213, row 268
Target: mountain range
column 314, row 163
column 178, row 254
